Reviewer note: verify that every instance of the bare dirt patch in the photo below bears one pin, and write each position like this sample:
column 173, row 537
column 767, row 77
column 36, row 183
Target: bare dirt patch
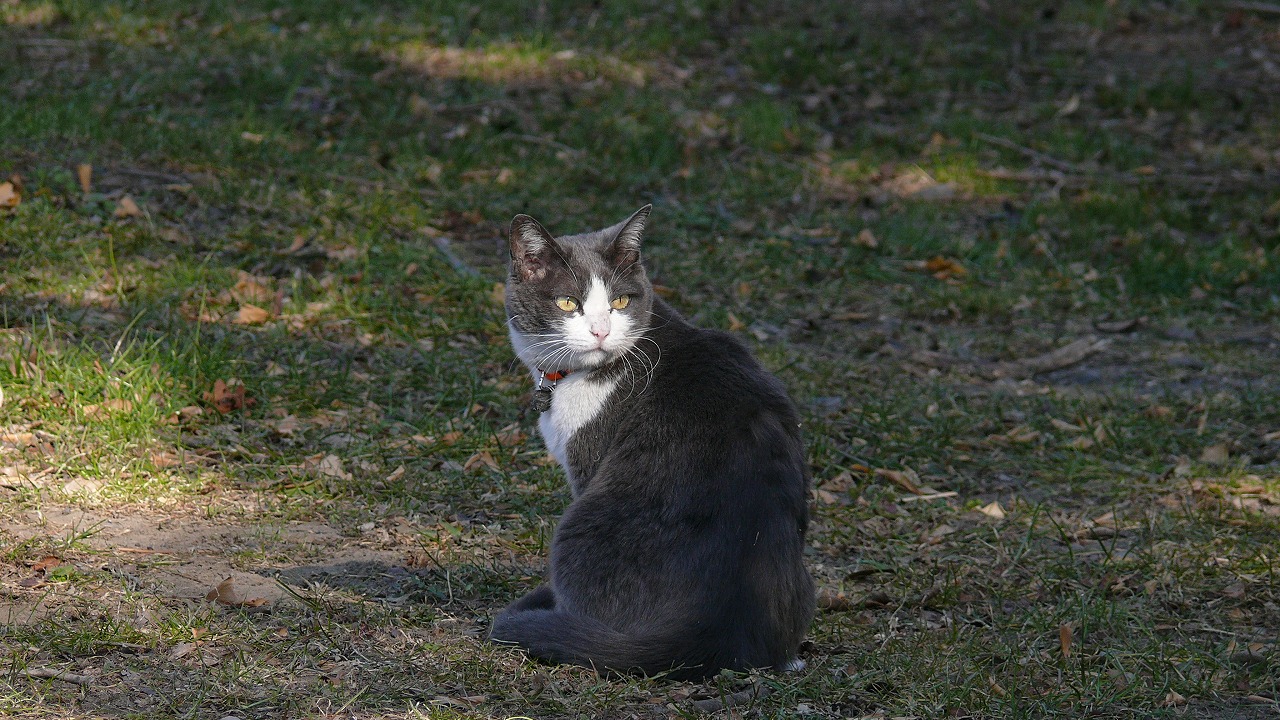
column 171, row 556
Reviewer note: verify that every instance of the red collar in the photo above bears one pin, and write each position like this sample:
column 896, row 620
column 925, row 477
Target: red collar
column 554, row 376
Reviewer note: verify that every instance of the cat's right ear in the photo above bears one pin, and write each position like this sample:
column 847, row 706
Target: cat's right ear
column 532, row 249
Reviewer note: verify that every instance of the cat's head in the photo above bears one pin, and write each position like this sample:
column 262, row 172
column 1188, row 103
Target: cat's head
column 578, row 301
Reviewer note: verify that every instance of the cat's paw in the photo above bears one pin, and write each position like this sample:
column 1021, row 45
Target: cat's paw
column 792, row 665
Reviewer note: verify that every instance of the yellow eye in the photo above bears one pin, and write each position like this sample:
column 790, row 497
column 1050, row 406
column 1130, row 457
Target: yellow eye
column 567, row 303
column 620, row 302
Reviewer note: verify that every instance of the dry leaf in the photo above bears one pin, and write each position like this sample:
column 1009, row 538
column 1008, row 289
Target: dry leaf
column 1174, row 699
column 9, row 196
column 1071, row 105
column 993, row 510
column 866, row 239
column 1064, row 639
column 481, row 458
column 226, row 594
column 1215, row 455
column 735, row 324
column 48, row 562
column 182, row 649
column 906, row 479
column 127, row 208
column 110, row 406
column 1272, row 436
column 1083, row 442
column 253, row 289
column 84, row 173
column 1065, row 426
column 286, row 426
column 510, row 436
column 254, row 138
column 331, row 466
column 228, row 396
column 251, row 315
column 942, row 268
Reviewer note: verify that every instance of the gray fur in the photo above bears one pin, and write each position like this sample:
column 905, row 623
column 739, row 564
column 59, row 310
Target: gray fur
column 682, row 549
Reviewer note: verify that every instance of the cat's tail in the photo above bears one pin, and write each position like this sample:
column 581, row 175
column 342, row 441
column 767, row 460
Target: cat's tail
column 558, row 637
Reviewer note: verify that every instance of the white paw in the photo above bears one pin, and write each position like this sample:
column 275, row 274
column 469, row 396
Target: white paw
column 792, row 665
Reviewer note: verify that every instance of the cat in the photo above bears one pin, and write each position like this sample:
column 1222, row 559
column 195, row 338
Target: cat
column 682, row 550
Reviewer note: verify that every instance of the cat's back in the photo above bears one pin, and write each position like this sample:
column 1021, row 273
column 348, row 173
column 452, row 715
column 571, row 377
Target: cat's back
column 709, row 377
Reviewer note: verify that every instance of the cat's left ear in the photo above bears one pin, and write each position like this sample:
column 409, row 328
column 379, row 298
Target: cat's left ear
column 625, row 248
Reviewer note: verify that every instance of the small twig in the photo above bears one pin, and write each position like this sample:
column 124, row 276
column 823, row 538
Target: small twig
column 549, row 142
column 1064, row 356
column 1033, row 154
column 153, row 174
column 55, row 674
column 930, row 496
column 1258, row 7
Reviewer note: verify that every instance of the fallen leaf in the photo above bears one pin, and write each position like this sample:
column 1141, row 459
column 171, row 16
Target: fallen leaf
column 866, row 239
column 1215, row 454
column 1083, row 442
column 510, row 436
column 254, row 138
column 935, row 535
column 906, row 479
column 735, row 324
column 396, row 474
column 939, row 267
column 1174, row 699
column 827, row 497
column 46, row 563
column 1070, row 106
column 331, row 466
column 228, row 396
column 253, row 289
column 1064, row 639
column 9, row 196
column 1065, row 426
column 110, row 406
column 182, row 649
column 834, row 600
column 251, row 315
column 481, row 458
column 286, row 426
column 1272, row 436
column 84, row 173
column 165, row 460
column 993, row 510
column 127, row 208
column 226, row 594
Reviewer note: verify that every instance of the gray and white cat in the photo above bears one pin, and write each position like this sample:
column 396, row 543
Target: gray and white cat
column 682, row 548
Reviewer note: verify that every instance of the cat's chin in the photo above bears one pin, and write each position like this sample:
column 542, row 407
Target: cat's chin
column 594, row 358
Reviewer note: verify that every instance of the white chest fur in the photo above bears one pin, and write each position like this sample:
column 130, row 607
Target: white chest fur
column 574, row 402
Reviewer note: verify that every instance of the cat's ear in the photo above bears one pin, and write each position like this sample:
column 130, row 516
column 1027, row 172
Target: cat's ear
column 625, row 248
column 532, row 249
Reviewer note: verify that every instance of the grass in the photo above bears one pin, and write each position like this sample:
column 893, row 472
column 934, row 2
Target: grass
column 271, row 372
